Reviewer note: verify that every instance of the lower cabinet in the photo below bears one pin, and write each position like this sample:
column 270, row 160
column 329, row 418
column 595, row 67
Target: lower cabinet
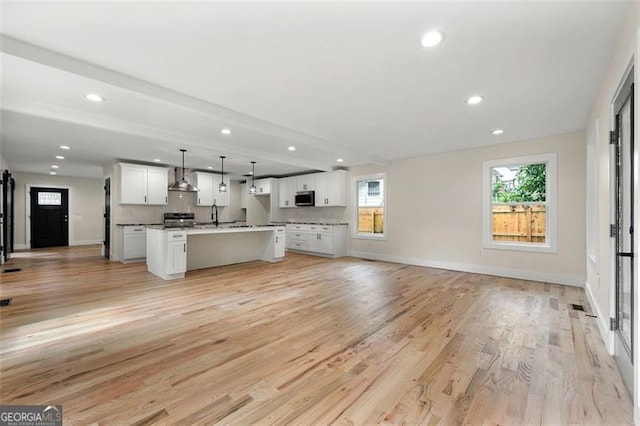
column 177, row 260
column 167, row 253
column 280, row 242
column 325, row 240
column 134, row 243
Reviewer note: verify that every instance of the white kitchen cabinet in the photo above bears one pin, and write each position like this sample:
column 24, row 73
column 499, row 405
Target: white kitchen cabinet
column 157, row 185
column 244, row 194
column 297, row 236
column 134, row 243
column 331, row 189
column 287, row 188
column 208, row 192
column 323, row 240
column 280, row 242
column 177, row 260
column 140, row 184
column 167, row 253
column 204, row 182
column 306, row 182
column 263, row 186
column 320, row 239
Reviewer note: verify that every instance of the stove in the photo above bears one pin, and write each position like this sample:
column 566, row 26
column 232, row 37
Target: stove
column 179, row 220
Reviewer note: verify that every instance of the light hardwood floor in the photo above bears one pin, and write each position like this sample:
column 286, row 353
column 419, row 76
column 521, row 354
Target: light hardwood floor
column 306, row 341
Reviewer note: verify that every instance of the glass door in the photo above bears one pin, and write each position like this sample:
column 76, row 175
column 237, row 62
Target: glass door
column 624, row 173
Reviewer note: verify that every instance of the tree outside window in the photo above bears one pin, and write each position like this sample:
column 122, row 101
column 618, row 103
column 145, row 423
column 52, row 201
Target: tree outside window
column 520, row 213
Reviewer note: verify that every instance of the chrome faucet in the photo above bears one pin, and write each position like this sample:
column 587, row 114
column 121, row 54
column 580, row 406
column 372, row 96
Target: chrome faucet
column 214, row 214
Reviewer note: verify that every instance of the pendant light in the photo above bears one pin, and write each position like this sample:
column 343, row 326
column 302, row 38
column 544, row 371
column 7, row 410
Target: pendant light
column 223, row 186
column 182, row 185
column 252, row 188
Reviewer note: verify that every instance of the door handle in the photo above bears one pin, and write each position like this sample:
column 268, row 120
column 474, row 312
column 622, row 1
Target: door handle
column 624, row 254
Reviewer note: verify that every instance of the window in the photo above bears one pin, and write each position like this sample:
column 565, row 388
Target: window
column 49, row 199
column 519, row 203
column 370, row 211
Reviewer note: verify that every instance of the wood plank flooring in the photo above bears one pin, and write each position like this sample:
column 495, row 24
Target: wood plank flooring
column 306, row 341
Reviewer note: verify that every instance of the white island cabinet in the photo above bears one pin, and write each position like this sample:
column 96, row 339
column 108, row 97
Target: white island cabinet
column 167, row 252
column 171, row 253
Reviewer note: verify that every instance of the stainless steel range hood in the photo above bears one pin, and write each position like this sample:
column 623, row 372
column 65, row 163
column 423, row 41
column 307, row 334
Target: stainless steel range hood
column 181, row 184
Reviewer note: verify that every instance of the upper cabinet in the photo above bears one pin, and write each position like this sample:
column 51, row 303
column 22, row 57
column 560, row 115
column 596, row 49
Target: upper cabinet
column 204, row 183
column 331, row 189
column 263, row 186
column 208, row 193
column 140, row 184
column 305, row 182
column 287, row 196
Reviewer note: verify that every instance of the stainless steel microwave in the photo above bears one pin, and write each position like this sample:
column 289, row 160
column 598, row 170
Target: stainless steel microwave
column 306, row 198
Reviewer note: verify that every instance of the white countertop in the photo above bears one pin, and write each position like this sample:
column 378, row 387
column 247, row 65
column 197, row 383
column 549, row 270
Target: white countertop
column 222, row 229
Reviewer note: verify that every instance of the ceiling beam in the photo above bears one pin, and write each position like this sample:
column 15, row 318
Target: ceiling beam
column 72, row 65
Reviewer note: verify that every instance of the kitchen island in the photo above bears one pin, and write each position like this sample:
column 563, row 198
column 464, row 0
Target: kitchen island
column 171, row 252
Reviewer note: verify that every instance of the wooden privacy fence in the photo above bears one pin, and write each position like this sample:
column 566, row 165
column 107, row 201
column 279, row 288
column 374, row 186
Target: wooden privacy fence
column 520, row 222
column 370, row 220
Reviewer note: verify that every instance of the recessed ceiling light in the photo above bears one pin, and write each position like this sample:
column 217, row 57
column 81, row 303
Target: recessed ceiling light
column 339, row 160
column 59, row 157
column 497, row 132
column 473, row 100
column 432, row 38
column 292, row 148
column 65, row 147
column 54, row 166
column 94, row 97
column 157, row 160
column 210, row 167
column 52, row 173
column 225, row 131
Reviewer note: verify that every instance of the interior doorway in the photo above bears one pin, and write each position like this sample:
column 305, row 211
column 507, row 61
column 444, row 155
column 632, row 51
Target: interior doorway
column 625, row 273
column 49, row 217
column 107, row 217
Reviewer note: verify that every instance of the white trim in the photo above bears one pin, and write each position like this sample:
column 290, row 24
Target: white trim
column 354, row 214
column 603, row 323
column 551, row 160
column 570, row 280
column 27, row 210
column 19, row 246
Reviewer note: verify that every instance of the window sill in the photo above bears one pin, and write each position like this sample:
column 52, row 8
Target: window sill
column 369, row 236
column 536, row 248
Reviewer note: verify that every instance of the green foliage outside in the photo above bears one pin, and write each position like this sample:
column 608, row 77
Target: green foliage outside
column 530, row 185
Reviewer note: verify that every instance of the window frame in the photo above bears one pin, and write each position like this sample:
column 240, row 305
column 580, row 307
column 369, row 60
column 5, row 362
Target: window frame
column 354, row 215
column 550, row 245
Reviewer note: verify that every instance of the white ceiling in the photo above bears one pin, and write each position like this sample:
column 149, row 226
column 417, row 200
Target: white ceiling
column 334, row 79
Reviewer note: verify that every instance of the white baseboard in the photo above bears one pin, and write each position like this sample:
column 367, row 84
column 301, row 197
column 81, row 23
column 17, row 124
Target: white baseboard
column 570, row 280
column 19, row 246
column 85, row 243
column 603, row 322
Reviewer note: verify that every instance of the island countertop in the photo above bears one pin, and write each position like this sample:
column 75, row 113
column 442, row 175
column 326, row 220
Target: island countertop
column 173, row 251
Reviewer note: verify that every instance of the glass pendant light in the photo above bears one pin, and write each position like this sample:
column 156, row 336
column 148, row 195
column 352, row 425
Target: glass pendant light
column 223, row 186
column 252, row 188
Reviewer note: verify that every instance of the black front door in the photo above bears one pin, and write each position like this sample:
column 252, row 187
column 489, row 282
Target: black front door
column 107, row 217
column 49, row 217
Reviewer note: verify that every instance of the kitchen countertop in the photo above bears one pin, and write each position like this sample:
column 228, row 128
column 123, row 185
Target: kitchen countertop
column 317, row 223
column 137, row 224
column 212, row 229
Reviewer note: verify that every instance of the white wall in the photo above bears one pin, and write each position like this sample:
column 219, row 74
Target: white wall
column 600, row 285
column 434, row 213
column 85, row 206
